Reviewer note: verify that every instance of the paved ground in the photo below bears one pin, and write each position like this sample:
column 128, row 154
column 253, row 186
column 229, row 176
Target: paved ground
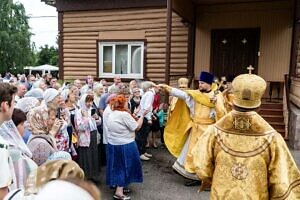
column 161, row 183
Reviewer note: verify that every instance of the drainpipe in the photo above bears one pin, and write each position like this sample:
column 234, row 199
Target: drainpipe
column 168, row 41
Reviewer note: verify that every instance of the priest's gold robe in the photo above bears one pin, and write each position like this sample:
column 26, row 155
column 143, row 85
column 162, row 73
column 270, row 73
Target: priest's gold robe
column 228, row 99
column 192, row 114
column 243, row 157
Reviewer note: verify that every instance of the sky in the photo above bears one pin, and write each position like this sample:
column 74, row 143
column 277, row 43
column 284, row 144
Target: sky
column 43, row 22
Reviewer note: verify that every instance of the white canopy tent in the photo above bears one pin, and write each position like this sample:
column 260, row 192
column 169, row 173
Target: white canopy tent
column 44, row 68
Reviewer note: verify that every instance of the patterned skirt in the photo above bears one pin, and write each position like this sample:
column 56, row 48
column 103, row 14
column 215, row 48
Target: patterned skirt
column 123, row 165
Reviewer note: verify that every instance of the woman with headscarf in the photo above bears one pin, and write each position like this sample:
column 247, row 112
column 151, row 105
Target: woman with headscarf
column 69, row 107
column 36, row 92
column 26, row 104
column 88, row 138
column 19, row 153
column 123, row 160
column 44, row 126
column 62, row 137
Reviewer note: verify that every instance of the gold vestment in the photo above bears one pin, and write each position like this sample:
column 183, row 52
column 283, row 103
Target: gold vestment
column 181, row 126
column 243, row 157
column 228, row 99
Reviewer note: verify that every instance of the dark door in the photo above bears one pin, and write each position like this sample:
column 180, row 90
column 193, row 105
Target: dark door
column 233, row 50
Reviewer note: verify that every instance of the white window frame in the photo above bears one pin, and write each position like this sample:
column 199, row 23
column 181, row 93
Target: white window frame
column 113, row 45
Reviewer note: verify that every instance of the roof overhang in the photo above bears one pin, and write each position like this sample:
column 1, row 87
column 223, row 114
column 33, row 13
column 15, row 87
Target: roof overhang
column 50, row 2
column 209, row 2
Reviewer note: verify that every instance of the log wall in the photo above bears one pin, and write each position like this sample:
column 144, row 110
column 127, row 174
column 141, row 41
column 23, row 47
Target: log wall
column 81, row 30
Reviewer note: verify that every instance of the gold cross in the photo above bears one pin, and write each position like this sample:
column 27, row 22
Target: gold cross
column 250, row 68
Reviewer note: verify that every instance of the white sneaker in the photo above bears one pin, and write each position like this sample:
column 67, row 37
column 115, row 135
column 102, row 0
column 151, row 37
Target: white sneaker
column 143, row 157
column 148, row 155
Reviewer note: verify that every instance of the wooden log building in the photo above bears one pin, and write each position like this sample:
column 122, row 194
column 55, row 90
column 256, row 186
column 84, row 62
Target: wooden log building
column 162, row 40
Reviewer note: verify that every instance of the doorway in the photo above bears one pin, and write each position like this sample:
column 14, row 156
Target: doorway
column 233, row 50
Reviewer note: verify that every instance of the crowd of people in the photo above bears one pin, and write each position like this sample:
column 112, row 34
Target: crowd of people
column 54, row 135
column 91, row 123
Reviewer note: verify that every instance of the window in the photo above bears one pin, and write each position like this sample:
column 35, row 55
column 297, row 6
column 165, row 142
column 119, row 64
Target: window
column 123, row 58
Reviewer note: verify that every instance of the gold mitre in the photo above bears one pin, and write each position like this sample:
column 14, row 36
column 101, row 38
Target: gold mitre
column 183, row 83
column 248, row 90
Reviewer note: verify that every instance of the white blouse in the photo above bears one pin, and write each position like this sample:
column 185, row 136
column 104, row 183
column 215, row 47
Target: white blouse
column 121, row 128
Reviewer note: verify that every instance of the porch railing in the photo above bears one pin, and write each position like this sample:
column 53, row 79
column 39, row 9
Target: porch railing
column 286, row 103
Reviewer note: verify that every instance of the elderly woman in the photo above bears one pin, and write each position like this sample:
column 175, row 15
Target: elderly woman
column 26, row 104
column 69, row 106
column 44, row 126
column 88, row 138
column 123, row 163
column 36, row 92
column 98, row 91
column 135, row 100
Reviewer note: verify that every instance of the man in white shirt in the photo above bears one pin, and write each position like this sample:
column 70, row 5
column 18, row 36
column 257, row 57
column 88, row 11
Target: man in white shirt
column 7, row 104
column 145, row 104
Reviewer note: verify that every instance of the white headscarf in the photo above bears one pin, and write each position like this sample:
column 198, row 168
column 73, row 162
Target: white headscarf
column 65, row 94
column 92, row 122
column 36, row 92
column 50, row 94
column 36, row 84
column 64, row 189
column 82, row 103
column 27, row 103
column 10, row 133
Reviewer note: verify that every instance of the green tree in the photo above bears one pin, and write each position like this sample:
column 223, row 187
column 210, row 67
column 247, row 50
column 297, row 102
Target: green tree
column 16, row 50
column 47, row 55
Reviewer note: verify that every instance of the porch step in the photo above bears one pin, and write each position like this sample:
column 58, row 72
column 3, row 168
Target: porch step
column 272, row 118
column 273, row 114
column 266, row 105
column 277, row 125
column 269, row 111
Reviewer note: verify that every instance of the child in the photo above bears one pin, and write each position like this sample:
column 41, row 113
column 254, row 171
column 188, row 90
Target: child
column 162, row 115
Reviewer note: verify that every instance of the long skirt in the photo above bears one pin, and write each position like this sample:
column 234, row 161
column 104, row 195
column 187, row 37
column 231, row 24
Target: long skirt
column 123, row 165
column 88, row 158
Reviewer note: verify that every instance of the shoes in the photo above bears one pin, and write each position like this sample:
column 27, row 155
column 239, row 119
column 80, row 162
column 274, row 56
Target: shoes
column 126, row 190
column 143, row 157
column 148, row 155
column 193, row 183
column 155, row 146
column 124, row 197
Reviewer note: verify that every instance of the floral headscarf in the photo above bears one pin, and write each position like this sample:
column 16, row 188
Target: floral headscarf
column 52, row 170
column 37, row 119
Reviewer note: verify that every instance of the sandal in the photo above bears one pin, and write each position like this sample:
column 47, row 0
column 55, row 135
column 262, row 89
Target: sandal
column 124, row 197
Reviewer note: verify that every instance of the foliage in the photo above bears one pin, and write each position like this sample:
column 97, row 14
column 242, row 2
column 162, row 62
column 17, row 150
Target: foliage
column 47, row 55
column 16, row 50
